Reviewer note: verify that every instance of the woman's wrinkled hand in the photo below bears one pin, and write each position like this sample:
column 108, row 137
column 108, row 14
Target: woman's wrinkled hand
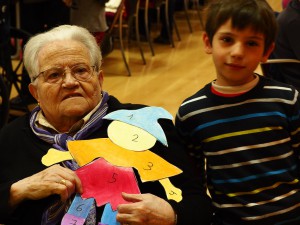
column 53, row 180
column 145, row 209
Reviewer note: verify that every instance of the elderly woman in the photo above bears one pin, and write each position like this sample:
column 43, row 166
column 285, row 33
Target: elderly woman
column 64, row 65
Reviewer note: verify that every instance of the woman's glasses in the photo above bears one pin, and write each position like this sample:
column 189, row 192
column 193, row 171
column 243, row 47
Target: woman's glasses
column 55, row 75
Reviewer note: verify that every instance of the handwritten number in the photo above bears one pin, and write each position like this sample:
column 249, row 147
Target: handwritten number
column 75, row 222
column 130, row 116
column 150, row 165
column 114, row 179
column 79, row 208
column 135, row 138
column 172, row 193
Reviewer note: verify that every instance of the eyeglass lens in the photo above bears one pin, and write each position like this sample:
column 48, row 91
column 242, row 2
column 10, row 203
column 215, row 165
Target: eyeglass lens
column 80, row 72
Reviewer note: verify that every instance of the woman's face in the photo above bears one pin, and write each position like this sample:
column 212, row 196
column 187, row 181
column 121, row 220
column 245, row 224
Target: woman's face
column 65, row 103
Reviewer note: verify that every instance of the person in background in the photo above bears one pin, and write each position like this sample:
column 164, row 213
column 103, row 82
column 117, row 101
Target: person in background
column 287, row 45
column 89, row 14
column 242, row 129
column 285, row 3
column 163, row 37
column 64, row 65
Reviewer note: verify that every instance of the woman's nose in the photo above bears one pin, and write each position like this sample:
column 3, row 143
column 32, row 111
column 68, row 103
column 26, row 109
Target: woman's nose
column 68, row 78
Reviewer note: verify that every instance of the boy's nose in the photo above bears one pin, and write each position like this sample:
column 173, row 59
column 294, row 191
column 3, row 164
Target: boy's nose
column 237, row 50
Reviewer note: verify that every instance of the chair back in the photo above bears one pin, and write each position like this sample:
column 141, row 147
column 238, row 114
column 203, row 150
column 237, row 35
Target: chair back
column 270, row 68
column 152, row 4
column 113, row 16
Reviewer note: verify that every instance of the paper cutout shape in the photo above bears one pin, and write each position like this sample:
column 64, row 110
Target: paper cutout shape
column 150, row 166
column 54, row 156
column 130, row 137
column 109, row 216
column 144, row 118
column 172, row 192
column 111, row 174
column 105, row 182
column 78, row 211
column 132, row 130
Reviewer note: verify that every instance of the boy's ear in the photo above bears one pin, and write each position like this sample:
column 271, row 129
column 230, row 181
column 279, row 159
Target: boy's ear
column 267, row 53
column 206, row 42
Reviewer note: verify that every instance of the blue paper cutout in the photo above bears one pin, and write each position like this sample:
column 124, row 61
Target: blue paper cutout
column 109, row 216
column 144, row 118
column 78, row 211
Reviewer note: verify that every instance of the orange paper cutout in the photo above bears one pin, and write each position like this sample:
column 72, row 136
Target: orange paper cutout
column 150, row 166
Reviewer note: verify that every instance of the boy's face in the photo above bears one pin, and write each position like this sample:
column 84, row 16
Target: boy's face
column 236, row 54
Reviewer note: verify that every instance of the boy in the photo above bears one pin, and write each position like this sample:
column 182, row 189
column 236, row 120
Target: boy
column 243, row 129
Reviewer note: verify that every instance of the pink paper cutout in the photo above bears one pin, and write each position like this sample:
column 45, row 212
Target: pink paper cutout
column 106, row 182
column 70, row 219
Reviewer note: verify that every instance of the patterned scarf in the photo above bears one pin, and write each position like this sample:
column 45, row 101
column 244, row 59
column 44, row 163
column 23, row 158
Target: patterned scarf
column 59, row 141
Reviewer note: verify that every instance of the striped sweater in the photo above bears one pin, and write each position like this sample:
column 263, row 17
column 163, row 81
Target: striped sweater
column 248, row 151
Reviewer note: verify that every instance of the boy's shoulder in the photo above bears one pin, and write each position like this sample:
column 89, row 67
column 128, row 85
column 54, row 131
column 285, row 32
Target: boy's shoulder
column 271, row 89
column 200, row 94
column 196, row 100
column 266, row 81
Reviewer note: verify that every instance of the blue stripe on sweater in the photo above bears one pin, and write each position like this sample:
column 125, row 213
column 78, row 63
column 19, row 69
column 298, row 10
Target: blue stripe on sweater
column 253, row 177
column 248, row 116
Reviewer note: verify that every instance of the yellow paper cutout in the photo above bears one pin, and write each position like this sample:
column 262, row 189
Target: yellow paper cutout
column 55, row 156
column 172, row 192
column 150, row 166
column 129, row 136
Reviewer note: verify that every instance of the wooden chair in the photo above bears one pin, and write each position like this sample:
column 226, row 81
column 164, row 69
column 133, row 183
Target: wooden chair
column 132, row 18
column 266, row 66
column 18, row 35
column 198, row 10
column 146, row 5
column 14, row 77
column 125, row 16
column 11, row 76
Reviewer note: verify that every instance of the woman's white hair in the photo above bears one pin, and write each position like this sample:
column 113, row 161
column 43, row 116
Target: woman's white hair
column 63, row 32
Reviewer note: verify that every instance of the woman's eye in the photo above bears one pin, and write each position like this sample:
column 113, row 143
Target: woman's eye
column 80, row 70
column 53, row 75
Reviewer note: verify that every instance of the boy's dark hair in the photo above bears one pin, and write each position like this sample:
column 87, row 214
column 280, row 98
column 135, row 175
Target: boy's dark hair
column 243, row 13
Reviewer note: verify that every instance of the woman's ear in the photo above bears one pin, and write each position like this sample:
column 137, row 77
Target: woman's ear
column 267, row 53
column 33, row 91
column 100, row 78
column 207, row 44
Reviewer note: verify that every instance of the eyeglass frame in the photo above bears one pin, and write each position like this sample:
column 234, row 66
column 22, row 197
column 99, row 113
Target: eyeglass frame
column 62, row 76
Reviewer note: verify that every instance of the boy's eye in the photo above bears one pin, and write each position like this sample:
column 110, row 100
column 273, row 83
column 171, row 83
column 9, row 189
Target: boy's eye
column 226, row 39
column 252, row 43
